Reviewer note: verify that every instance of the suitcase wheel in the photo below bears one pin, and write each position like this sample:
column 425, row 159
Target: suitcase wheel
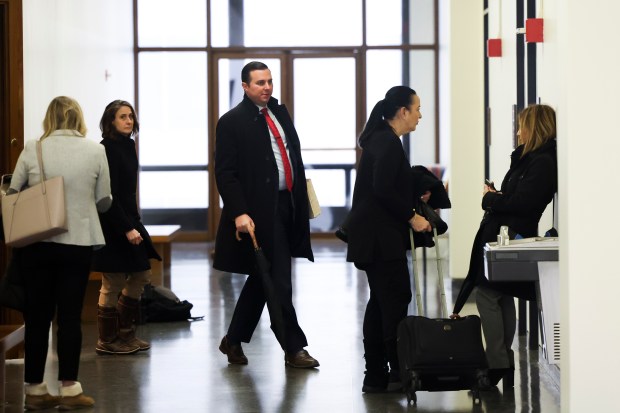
column 483, row 380
column 411, row 389
column 412, row 398
column 476, row 397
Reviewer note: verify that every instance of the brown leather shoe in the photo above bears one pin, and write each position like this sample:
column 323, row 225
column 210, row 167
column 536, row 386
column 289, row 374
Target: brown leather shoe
column 234, row 352
column 300, row 360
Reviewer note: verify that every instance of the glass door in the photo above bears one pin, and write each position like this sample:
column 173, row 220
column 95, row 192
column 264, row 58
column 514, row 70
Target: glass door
column 327, row 118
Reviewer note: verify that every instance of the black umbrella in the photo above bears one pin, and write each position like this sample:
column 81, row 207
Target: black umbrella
column 273, row 302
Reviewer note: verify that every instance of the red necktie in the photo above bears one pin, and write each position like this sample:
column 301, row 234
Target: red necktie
column 276, row 134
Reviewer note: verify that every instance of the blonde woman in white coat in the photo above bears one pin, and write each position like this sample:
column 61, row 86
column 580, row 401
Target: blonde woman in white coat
column 56, row 270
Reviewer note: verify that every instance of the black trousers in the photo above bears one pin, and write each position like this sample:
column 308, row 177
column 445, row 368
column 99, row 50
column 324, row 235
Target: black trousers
column 56, row 276
column 390, row 294
column 252, row 298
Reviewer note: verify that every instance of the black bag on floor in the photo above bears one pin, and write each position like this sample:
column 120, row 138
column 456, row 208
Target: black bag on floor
column 161, row 304
column 439, row 354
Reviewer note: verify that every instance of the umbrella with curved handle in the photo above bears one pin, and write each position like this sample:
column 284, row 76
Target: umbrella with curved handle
column 263, row 270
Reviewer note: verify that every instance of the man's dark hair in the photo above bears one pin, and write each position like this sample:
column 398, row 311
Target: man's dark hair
column 245, row 72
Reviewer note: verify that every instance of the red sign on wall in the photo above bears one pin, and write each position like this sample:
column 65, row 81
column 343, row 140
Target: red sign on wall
column 534, row 30
column 494, row 48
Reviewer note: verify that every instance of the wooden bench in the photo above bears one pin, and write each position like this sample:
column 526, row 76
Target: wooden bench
column 162, row 237
column 10, row 337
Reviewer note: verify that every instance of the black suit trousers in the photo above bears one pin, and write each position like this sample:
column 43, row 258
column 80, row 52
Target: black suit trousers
column 252, row 298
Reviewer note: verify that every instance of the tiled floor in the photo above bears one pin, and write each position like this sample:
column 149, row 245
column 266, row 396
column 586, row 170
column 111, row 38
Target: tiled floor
column 185, row 372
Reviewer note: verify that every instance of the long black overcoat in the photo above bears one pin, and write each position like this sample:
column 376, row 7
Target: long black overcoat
column 378, row 223
column 526, row 190
column 246, row 174
column 119, row 255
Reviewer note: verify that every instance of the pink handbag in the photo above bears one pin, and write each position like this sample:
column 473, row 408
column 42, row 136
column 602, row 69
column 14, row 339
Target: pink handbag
column 36, row 213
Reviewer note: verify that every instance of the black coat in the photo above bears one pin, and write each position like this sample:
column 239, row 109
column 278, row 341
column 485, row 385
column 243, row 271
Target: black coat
column 378, row 223
column 424, row 180
column 119, row 255
column 246, row 174
column 526, row 190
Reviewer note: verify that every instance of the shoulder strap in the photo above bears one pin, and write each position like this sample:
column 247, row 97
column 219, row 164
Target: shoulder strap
column 40, row 160
column 41, row 170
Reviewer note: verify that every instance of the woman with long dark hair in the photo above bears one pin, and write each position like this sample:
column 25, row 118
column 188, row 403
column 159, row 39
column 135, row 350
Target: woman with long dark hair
column 124, row 261
column 378, row 231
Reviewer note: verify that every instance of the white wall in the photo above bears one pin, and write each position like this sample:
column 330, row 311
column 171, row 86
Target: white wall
column 462, row 122
column 548, row 81
column 68, row 46
column 588, row 148
column 547, row 54
column 503, row 93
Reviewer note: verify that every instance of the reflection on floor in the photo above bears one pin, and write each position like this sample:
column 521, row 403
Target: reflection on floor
column 185, row 372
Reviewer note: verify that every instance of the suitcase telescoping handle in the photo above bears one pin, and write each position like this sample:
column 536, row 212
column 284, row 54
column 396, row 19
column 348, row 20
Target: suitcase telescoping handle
column 416, row 280
column 415, row 270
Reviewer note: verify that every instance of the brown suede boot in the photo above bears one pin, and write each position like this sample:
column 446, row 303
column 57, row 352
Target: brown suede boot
column 109, row 340
column 41, row 402
column 38, row 397
column 128, row 312
column 72, row 398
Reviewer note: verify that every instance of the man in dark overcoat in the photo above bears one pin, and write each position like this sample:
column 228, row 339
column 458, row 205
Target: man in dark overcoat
column 264, row 191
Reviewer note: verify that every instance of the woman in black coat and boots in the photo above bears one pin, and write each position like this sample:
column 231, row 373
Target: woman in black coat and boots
column 526, row 190
column 124, row 261
column 378, row 231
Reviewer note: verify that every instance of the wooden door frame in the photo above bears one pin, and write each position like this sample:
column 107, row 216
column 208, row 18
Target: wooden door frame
column 13, row 83
column 12, row 109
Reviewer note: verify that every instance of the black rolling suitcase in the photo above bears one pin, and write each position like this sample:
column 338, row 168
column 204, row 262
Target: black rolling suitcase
column 440, row 354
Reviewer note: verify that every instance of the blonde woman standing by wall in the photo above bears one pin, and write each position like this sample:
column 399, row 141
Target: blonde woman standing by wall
column 525, row 192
